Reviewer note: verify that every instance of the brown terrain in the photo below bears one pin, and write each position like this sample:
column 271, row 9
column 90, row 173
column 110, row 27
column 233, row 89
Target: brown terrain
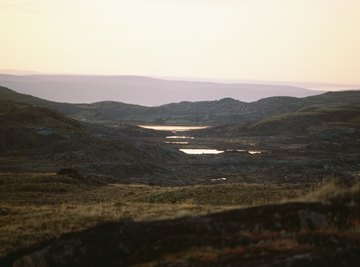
column 83, row 185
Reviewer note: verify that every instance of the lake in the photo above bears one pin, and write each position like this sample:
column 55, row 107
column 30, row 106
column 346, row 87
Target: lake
column 179, row 139
column 200, row 151
column 173, row 128
column 254, row 152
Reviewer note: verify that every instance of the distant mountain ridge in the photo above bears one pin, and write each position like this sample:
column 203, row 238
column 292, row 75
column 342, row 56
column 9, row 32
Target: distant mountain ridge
column 140, row 90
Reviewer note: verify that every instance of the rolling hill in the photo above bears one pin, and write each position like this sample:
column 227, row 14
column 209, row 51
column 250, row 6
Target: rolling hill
column 23, row 126
column 317, row 120
column 35, row 137
column 218, row 112
column 306, row 121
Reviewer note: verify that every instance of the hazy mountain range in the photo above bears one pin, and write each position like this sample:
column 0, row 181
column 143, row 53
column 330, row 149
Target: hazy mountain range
column 140, row 90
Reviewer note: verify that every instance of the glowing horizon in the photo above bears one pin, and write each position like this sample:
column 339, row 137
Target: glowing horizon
column 276, row 40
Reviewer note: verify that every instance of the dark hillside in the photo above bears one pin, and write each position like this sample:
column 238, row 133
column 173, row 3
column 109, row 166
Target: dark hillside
column 28, row 115
column 23, row 126
column 37, row 136
column 310, row 121
column 218, row 112
column 304, row 122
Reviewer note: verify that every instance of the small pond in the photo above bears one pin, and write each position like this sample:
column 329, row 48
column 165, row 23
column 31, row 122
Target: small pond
column 200, row 151
column 173, row 128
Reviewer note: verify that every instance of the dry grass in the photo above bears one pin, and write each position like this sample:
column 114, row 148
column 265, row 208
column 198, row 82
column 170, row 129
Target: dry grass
column 326, row 191
column 243, row 195
column 38, row 206
column 27, row 224
column 330, row 191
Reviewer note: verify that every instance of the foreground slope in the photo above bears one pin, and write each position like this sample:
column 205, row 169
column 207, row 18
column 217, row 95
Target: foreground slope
column 288, row 234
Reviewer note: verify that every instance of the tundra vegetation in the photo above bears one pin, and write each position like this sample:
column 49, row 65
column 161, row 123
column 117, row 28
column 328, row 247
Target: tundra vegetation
column 83, row 185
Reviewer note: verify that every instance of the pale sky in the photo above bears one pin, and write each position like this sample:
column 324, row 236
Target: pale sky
column 280, row 40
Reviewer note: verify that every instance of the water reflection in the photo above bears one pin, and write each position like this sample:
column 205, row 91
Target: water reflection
column 200, row 151
column 236, row 150
column 253, row 152
column 173, row 128
column 218, row 179
column 175, row 142
column 179, row 137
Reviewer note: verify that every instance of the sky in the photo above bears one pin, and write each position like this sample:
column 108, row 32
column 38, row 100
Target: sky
column 275, row 40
